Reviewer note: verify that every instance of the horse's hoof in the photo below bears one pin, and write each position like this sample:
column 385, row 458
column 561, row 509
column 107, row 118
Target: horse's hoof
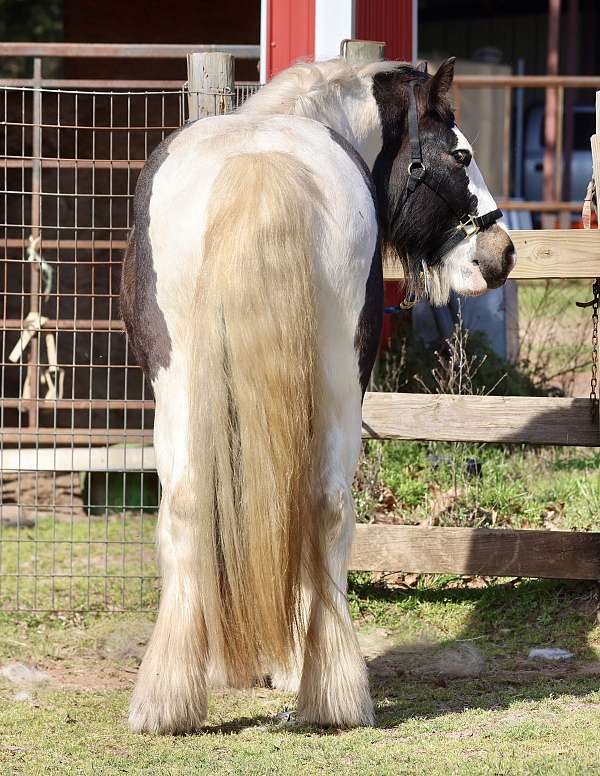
column 164, row 720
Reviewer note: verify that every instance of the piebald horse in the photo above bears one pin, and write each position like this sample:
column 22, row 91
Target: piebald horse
column 252, row 294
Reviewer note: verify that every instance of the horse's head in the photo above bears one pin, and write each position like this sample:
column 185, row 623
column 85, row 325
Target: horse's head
column 437, row 212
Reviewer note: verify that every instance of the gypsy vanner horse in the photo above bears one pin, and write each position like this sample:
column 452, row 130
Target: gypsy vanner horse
column 252, row 294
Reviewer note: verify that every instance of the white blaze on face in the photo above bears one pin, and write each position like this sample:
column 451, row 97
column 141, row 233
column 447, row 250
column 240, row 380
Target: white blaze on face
column 477, row 186
column 458, row 271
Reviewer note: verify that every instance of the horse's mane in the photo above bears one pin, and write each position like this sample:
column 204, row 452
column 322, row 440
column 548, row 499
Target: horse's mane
column 298, row 88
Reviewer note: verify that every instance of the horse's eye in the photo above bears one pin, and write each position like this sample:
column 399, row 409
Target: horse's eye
column 462, row 157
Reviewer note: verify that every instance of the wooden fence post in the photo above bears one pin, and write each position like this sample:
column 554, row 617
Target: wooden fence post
column 211, row 84
column 361, row 52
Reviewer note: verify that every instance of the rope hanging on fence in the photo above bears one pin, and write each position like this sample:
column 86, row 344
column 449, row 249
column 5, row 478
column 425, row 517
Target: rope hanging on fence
column 53, row 377
column 590, row 205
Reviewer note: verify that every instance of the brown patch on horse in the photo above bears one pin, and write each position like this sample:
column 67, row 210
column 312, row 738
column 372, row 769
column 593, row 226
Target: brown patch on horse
column 144, row 320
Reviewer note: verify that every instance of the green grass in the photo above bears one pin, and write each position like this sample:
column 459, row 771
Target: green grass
column 83, row 563
column 504, row 619
column 555, row 334
column 516, row 717
column 518, row 486
column 552, row 298
column 76, row 733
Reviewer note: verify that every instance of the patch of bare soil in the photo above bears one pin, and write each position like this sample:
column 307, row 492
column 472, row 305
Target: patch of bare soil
column 85, row 673
column 88, row 674
column 110, row 664
column 113, row 664
column 423, row 658
column 125, row 643
column 581, row 385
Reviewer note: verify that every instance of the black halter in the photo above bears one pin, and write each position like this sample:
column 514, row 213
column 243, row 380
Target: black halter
column 468, row 225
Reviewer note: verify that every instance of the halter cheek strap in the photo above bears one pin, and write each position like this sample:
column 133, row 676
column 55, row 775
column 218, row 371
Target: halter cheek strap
column 416, row 168
column 468, row 225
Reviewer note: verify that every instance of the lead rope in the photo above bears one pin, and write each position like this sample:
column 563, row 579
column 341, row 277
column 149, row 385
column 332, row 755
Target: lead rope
column 594, row 378
column 594, row 304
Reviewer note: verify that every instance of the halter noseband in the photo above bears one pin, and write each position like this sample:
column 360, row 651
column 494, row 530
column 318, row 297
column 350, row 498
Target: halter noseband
column 468, row 225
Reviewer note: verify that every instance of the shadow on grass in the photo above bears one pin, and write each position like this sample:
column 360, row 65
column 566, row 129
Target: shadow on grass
column 577, row 463
column 485, row 665
column 236, row 726
column 488, row 667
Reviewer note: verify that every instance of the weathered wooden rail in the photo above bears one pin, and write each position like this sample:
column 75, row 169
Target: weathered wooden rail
column 546, row 253
column 477, row 551
column 401, row 416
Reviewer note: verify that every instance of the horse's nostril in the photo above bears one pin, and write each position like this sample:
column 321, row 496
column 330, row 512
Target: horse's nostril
column 509, row 259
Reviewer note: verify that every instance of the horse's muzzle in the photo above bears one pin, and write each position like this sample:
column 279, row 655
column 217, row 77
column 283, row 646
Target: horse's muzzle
column 495, row 256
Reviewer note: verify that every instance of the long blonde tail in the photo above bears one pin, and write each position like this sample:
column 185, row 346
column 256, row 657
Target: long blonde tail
column 251, row 409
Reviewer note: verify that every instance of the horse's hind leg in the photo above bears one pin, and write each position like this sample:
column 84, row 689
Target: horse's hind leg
column 334, row 689
column 288, row 679
column 170, row 694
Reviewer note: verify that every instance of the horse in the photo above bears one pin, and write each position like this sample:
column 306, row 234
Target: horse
column 252, row 293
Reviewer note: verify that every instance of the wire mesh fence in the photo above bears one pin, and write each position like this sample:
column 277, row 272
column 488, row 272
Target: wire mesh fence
column 79, row 494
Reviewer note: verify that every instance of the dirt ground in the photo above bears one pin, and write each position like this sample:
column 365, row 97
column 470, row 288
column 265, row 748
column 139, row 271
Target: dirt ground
column 112, row 663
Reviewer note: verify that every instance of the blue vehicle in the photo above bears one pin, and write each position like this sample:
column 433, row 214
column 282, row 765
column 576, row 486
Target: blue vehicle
column 581, row 157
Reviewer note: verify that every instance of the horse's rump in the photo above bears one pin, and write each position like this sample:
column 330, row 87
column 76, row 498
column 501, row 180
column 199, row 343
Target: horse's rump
column 253, row 372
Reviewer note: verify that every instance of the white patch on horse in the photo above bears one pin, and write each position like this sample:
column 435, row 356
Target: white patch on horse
column 477, row 184
column 334, row 93
column 459, row 271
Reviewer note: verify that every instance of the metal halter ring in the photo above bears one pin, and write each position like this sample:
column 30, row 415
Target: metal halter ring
column 416, row 169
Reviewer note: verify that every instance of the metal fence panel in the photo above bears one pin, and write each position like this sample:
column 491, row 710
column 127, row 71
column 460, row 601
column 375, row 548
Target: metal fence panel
column 79, row 496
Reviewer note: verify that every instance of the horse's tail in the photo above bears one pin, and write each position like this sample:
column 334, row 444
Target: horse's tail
column 251, row 409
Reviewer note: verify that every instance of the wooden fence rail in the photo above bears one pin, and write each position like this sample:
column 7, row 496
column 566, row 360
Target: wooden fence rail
column 502, row 419
column 546, row 253
column 541, row 253
column 486, row 551
column 402, row 416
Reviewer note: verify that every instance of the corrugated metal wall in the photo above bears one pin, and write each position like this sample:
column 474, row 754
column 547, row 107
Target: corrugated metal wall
column 387, row 20
column 445, row 30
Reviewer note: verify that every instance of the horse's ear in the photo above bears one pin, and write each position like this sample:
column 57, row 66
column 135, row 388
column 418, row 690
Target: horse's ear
column 441, row 82
column 422, row 67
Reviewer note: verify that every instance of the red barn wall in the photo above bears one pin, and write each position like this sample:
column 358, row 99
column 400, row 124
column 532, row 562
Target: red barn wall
column 154, row 21
column 291, row 33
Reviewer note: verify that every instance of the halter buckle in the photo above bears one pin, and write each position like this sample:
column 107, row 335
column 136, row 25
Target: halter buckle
column 470, row 227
